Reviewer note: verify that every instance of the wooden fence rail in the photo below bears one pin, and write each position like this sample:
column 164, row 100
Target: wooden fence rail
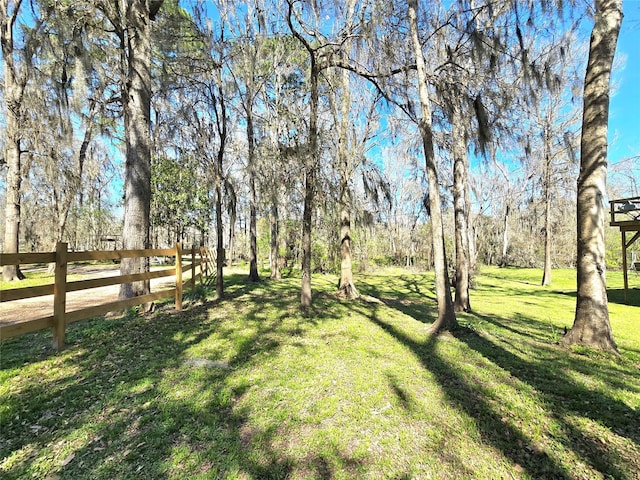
column 62, row 257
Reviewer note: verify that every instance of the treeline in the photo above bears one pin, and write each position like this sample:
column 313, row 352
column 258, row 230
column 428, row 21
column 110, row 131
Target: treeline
column 314, row 134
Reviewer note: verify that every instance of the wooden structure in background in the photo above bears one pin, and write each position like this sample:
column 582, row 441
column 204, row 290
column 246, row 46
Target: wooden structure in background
column 625, row 214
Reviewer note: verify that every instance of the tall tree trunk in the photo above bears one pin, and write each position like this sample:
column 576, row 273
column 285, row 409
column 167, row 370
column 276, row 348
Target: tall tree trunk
column 505, row 234
column 346, row 288
column 462, row 302
column 137, row 113
column 591, row 325
column 471, row 238
column 13, row 94
column 253, row 243
column 446, row 316
column 305, row 289
column 309, row 187
column 275, row 261
column 546, row 275
column 219, row 230
column 221, row 120
column 310, row 155
column 233, row 214
column 13, row 194
column 220, row 111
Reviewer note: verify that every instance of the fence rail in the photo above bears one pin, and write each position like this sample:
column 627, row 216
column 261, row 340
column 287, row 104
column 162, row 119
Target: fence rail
column 62, row 257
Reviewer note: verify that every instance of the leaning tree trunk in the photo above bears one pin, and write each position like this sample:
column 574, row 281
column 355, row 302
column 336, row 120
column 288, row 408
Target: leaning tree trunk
column 137, row 124
column 220, row 107
column 219, row 179
column 462, row 302
column 346, row 288
column 446, row 316
column 591, row 325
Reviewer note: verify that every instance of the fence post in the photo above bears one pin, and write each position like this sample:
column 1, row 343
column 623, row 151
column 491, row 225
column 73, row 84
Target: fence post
column 193, row 267
column 202, row 265
column 60, row 296
column 178, row 276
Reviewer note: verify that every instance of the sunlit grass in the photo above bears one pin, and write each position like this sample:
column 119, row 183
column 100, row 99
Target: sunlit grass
column 251, row 388
column 35, row 278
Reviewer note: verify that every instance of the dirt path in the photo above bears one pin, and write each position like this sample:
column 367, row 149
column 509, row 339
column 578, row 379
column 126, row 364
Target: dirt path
column 32, row 308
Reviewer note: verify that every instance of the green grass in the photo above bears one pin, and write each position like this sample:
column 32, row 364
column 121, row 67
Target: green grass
column 36, row 278
column 353, row 390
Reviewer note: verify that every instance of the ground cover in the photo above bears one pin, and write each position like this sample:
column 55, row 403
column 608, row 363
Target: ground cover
column 250, row 388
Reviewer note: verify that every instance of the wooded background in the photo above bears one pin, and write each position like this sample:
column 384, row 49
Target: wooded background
column 292, row 133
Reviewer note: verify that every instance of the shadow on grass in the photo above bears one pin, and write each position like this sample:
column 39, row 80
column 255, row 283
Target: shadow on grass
column 546, row 338
column 615, row 295
column 566, row 398
column 128, row 407
column 563, row 396
column 118, row 376
column 124, row 404
column 471, row 400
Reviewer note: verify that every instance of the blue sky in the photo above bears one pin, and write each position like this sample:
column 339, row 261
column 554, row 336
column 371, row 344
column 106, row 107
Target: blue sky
column 624, row 114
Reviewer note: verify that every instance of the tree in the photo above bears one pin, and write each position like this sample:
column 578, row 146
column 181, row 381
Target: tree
column 17, row 66
column 180, row 177
column 346, row 164
column 546, row 139
column 422, row 116
column 212, row 132
column 283, row 114
column 346, row 288
column 461, row 206
column 557, row 141
column 179, row 196
column 73, row 94
column 591, row 325
column 446, row 319
column 132, row 24
column 310, row 156
column 216, row 100
column 249, row 53
column 220, row 109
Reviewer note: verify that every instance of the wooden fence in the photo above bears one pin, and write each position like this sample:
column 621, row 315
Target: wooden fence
column 62, row 257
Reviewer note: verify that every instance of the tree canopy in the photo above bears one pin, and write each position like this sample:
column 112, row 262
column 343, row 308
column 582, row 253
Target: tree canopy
column 324, row 135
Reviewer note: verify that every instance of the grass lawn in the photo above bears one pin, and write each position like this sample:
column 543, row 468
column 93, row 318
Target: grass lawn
column 35, row 278
column 249, row 388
